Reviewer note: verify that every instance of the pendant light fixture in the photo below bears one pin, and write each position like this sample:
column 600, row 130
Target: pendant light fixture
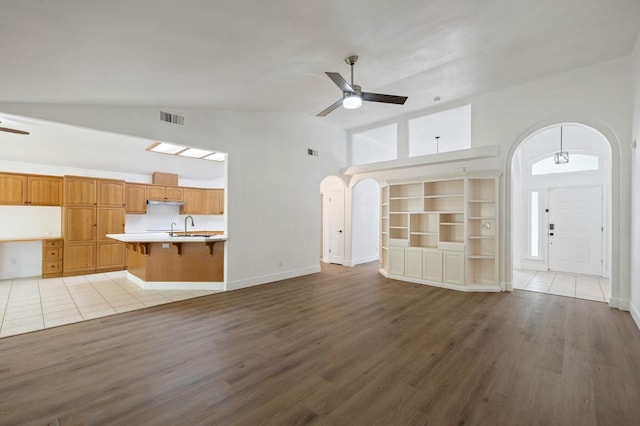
column 561, row 157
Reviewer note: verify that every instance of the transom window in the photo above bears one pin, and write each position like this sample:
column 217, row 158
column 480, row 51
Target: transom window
column 577, row 163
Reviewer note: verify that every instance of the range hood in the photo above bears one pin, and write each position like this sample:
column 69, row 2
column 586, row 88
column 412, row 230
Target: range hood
column 164, row 203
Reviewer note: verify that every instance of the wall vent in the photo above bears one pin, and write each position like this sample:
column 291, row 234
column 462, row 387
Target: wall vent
column 312, row 152
column 171, row 118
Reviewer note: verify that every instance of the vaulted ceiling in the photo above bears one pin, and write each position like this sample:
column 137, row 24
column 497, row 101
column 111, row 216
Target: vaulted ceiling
column 271, row 55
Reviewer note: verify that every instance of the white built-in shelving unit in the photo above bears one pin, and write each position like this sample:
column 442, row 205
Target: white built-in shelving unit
column 442, row 232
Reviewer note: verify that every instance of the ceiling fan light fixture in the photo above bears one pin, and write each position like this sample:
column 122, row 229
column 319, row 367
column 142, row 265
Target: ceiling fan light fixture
column 352, row 101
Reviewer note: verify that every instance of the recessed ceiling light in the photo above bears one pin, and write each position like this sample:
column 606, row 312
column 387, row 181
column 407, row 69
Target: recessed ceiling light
column 166, row 148
column 218, row 156
column 195, row 153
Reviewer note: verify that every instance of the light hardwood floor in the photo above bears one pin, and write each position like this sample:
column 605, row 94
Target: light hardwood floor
column 342, row 347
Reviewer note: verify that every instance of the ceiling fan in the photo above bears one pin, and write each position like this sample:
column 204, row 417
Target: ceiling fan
column 10, row 130
column 352, row 94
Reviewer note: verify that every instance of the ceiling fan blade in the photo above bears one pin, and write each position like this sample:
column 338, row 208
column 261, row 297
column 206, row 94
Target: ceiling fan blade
column 20, row 132
column 388, row 99
column 327, row 110
column 340, row 82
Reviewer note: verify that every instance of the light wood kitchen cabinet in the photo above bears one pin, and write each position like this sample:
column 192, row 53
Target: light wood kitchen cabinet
column 110, row 256
column 110, row 221
column 52, row 250
column 79, row 224
column 111, row 193
column 217, row 200
column 135, row 198
column 164, row 193
column 202, row 201
column 79, row 258
column 13, row 189
column 79, row 191
column 34, row 190
column 44, row 190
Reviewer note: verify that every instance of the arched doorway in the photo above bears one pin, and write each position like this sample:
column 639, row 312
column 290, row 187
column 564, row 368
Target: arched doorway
column 559, row 214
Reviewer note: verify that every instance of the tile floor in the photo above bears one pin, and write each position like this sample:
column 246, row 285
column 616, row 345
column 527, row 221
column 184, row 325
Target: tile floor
column 563, row 284
column 29, row 304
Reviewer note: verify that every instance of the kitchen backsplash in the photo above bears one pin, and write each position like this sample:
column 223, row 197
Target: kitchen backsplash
column 159, row 218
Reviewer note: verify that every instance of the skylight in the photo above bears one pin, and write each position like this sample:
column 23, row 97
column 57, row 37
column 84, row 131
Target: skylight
column 185, row 151
column 195, row 153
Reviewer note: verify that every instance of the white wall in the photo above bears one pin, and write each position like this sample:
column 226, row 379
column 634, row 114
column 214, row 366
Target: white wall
column 598, row 96
column 365, row 222
column 273, row 207
column 635, row 247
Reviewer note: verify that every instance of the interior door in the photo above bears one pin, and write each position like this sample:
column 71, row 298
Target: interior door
column 336, row 227
column 575, row 230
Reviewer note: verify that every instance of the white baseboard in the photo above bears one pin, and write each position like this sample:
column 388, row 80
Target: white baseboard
column 622, row 304
column 265, row 279
column 635, row 314
column 366, row 259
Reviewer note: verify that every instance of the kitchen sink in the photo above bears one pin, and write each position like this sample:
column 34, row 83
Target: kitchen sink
column 177, row 234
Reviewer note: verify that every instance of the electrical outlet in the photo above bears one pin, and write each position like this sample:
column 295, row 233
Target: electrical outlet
column 280, row 263
column 14, row 261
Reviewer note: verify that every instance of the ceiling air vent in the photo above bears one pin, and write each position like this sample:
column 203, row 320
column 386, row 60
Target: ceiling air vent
column 171, row 118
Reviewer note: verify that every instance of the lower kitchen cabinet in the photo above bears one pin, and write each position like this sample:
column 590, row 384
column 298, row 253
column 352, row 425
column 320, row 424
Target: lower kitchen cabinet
column 110, row 256
column 79, row 258
column 52, row 258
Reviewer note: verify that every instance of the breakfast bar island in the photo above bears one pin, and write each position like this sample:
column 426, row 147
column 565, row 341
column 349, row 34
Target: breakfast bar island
column 161, row 261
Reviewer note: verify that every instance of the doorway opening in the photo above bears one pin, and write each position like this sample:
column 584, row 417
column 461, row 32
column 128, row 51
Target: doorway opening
column 561, row 212
column 332, row 192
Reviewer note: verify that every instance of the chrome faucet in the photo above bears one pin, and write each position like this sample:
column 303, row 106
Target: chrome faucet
column 172, row 225
column 185, row 224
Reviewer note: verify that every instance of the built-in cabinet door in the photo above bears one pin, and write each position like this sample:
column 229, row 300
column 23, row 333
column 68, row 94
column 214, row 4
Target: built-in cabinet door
column 195, row 201
column 164, row 193
column 432, row 265
column 79, row 224
column 79, row 258
column 44, row 190
column 110, row 256
column 111, row 193
column 13, row 189
column 217, row 200
column 79, row 191
column 155, row 192
column 413, row 262
column 110, row 221
column 173, row 193
column 396, row 260
column 135, row 198
column 453, row 267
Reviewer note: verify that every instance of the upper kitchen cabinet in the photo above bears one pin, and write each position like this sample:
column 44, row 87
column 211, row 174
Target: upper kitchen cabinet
column 44, row 190
column 164, row 193
column 111, row 193
column 13, row 189
column 36, row 190
column 135, row 198
column 215, row 201
column 79, row 191
column 202, row 201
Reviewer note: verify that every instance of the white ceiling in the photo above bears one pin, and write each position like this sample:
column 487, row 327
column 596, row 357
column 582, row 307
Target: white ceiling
column 271, row 56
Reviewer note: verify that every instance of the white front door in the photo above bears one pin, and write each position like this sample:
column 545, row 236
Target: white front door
column 575, row 230
column 336, row 227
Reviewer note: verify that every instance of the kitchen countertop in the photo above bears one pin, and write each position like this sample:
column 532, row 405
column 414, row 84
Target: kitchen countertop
column 163, row 237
